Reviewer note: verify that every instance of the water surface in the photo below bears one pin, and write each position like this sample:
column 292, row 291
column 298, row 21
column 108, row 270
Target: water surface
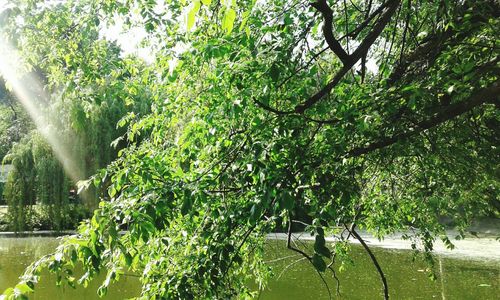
column 457, row 278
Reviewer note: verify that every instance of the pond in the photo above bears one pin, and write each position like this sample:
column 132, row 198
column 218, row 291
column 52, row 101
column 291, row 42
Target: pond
column 457, row 278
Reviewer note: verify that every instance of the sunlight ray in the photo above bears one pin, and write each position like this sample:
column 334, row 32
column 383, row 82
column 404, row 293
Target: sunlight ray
column 31, row 94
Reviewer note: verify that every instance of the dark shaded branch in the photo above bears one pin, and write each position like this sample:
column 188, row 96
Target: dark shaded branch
column 358, row 53
column 14, row 112
column 324, row 91
column 377, row 29
column 333, row 43
column 243, row 241
column 374, row 260
column 308, row 257
column 334, row 274
column 425, row 50
column 353, row 34
column 313, row 58
column 273, row 110
column 226, row 190
column 387, row 55
column 490, row 94
column 363, row 59
column 405, row 31
column 326, row 284
column 289, row 243
column 434, row 43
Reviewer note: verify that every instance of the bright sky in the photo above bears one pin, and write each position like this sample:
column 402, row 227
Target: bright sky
column 128, row 40
column 3, row 5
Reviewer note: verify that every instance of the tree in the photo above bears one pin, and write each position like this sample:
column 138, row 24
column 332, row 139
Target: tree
column 87, row 112
column 260, row 109
column 14, row 123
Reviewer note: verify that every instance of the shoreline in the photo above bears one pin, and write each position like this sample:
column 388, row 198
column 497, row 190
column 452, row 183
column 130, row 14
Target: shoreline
column 469, row 248
column 475, row 248
column 37, row 233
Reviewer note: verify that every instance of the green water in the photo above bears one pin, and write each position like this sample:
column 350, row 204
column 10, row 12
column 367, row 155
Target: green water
column 461, row 279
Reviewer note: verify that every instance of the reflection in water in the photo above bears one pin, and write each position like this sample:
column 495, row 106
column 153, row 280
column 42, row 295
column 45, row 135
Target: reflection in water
column 17, row 253
column 461, row 279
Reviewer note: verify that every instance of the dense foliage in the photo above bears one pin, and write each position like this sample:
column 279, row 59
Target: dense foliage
column 379, row 115
column 85, row 124
column 14, row 124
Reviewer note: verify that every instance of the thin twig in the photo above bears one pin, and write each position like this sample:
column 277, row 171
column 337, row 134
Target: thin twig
column 374, row 261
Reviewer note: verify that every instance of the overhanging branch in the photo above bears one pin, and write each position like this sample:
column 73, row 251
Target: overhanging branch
column 332, row 42
column 489, row 94
column 374, row 261
column 358, row 53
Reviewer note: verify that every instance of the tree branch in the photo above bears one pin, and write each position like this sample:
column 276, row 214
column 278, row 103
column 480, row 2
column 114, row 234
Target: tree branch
column 377, row 29
column 358, row 53
column 333, row 43
column 363, row 59
column 434, row 44
column 273, row 110
column 353, row 34
column 490, row 94
column 374, row 260
column 289, row 242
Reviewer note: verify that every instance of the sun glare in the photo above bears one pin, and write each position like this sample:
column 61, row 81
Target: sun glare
column 30, row 93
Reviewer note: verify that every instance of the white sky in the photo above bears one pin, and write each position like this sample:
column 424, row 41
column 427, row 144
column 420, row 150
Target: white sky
column 3, row 5
column 128, row 40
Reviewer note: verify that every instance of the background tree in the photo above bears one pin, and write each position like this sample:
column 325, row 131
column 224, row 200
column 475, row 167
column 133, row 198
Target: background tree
column 81, row 115
column 14, row 122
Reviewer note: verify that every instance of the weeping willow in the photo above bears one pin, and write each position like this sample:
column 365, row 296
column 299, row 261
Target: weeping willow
column 38, row 192
column 39, row 178
column 19, row 190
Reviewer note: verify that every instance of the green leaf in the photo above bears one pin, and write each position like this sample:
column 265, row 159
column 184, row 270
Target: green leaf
column 186, row 205
column 112, row 191
column 191, row 15
column 320, row 247
column 8, row 292
column 228, row 20
column 274, row 72
column 24, row 288
column 128, row 259
column 484, row 285
column 255, row 213
column 287, row 201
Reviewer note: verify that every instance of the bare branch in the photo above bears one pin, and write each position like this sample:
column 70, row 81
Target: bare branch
column 289, row 243
column 326, row 284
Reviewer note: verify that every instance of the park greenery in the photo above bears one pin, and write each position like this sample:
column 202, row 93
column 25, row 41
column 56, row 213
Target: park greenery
column 86, row 128
column 251, row 117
